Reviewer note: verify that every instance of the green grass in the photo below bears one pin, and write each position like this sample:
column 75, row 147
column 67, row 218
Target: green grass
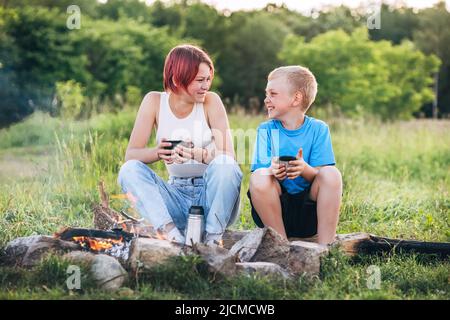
column 396, row 184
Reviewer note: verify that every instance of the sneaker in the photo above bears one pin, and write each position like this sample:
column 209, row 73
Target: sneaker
column 176, row 236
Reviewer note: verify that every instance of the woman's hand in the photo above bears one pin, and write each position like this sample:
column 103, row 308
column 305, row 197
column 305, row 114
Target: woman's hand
column 165, row 154
column 277, row 169
column 186, row 151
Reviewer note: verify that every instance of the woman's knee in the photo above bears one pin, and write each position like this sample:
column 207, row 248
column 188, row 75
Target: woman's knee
column 225, row 166
column 130, row 170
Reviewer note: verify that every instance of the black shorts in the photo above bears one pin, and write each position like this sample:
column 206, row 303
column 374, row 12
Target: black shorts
column 299, row 214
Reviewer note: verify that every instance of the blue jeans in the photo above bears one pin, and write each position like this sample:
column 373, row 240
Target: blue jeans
column 160, row 202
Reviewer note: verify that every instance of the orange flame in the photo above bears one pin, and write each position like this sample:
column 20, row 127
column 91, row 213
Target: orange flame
column 97, row 245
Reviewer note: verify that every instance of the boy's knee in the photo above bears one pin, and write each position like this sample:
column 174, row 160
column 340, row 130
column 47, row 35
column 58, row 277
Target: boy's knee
column 260, row 183
column 330, row 175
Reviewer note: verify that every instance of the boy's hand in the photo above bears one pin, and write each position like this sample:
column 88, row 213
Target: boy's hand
column 296, row 167
column 277, row 169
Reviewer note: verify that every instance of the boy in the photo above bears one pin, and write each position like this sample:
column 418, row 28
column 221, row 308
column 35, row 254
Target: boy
column 300, row 198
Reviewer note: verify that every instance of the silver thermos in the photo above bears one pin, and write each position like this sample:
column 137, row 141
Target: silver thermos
column 195, row 225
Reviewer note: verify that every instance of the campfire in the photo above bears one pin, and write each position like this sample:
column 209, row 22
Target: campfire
column 119, row 243
column 115, row 243
column 97, row 245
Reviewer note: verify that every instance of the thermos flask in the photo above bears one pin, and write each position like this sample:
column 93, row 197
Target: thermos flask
column 195, row 225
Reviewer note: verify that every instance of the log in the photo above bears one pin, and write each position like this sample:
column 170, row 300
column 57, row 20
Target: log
column 230, row 237
column 104, row 217
column 69, row 233
column 218, row 261
column 107, row 219
column 103, row 196
column 29, row 251
column 305, row 257
column 364, row 243
column 146, row 253
column 266, row 245
column 349, row 243
column 263, row 268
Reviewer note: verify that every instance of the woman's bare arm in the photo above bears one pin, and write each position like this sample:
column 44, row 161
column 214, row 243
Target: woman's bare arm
column 218, row 121
column 143, row 126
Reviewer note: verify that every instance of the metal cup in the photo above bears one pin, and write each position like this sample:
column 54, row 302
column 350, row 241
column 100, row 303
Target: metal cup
column 285, row 160
column 173, row 144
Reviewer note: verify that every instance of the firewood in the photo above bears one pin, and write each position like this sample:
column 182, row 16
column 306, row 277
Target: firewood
column 147, row 253
column 364, row 243
column 29, row 251
column 103, row 195
column 263, row 268
column 69, row 233
column 219, row 261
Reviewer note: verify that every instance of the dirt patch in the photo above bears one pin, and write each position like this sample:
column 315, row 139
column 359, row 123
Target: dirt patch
column 24, row 163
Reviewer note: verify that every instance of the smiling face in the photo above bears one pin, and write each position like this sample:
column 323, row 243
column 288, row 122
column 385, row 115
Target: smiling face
column 198, row 88
column 279, row 98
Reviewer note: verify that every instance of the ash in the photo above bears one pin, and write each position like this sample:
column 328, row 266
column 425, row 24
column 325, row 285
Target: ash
column 120, row 251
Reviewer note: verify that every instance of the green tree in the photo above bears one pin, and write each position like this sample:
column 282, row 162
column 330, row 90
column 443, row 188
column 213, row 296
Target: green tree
column 37, row 52
column 397, row 24
column 87, row 7
column 70, row 99
column 122, row 54
column 169, row 16
column 433, row 36
column 359, row 75
column 250, row 54
column 116, row 9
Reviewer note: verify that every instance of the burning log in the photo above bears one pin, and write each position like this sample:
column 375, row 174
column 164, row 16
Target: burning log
column 115, row 243
column 116, row 234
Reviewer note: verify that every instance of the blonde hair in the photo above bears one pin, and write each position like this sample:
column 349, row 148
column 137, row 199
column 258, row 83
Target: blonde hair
column 300, row 79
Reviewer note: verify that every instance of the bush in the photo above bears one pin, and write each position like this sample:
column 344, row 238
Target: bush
column 70, row 98
column 365, row 77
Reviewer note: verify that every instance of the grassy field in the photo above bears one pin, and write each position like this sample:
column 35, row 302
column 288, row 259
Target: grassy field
column 396, row 184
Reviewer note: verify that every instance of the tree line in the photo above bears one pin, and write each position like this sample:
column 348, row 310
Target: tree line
column 118, row 54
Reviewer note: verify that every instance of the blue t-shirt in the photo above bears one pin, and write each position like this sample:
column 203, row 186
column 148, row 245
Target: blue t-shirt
column 313, row 136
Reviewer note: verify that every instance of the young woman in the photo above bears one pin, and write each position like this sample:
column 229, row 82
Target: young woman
column 202, row 168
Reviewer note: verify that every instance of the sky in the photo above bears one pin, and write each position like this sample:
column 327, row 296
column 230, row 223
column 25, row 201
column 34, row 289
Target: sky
column 305, row 6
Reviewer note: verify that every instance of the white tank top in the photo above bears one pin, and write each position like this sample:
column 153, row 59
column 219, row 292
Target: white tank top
column 193, row 127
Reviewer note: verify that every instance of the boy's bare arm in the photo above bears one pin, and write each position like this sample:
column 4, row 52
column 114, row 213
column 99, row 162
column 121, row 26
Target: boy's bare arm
column 310, row 172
